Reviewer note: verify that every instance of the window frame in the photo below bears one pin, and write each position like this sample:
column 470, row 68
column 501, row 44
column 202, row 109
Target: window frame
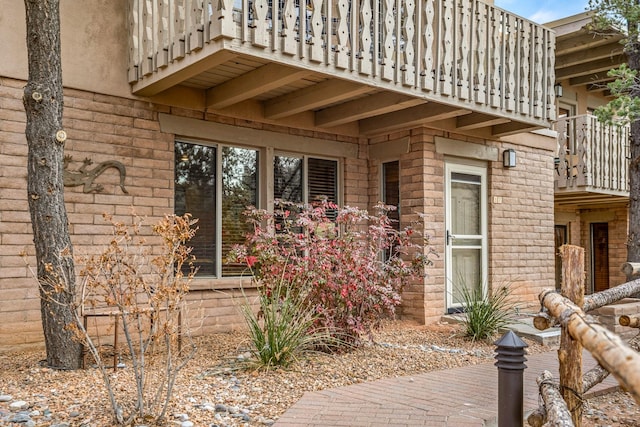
column 264, row 192
column 383, row 197
column 305, row 174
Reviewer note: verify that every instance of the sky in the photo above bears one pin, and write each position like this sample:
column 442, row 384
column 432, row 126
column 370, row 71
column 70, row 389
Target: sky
column 542, row 11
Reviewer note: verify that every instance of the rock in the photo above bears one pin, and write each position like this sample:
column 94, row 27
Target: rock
column 186, row 424
column 207, row 407
column 20, row 418
column 220, row 407
column 268, row 422
column 74, row 414
column 182, row 417
column 18, row 404
column 5, row 398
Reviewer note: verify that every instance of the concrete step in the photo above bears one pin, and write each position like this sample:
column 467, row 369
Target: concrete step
column 523, row 326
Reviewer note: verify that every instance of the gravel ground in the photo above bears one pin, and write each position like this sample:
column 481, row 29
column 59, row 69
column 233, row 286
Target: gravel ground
column 216, row 390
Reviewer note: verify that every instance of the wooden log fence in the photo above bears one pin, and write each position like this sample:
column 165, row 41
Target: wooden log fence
column 629, row 321
column 590, row 379
column 563, row 407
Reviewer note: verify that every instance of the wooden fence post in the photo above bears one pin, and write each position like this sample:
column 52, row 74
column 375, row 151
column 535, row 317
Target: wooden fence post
column 570, row 351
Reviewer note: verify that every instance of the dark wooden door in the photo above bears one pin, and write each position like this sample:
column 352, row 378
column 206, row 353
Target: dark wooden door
column 600, row 256
column 560, row 238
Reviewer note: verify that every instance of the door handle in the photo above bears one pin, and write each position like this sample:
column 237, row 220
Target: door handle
column 449, row 237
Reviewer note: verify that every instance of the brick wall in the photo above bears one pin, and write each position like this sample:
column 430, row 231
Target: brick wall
column 19, row 304
column 104, row 128
column 521, row 221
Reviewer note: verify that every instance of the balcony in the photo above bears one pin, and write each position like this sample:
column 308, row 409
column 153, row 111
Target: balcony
column 377, row 66
column 592, row 162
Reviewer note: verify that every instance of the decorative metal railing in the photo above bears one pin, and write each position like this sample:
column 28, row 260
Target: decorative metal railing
column 592, row 154
column 464, row 50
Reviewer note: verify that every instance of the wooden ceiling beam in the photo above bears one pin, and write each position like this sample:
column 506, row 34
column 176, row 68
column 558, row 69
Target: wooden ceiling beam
column 253, row 83
column 324, row 93
column 588, row 79
column 362, row 108
column 478, row 120
column 410, row 117
column 610, row 50
column 511, row 128
column 589, row 67
column 583, row 41
column 190, row 66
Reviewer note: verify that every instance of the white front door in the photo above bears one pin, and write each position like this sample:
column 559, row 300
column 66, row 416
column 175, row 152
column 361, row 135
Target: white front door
column 466, row 232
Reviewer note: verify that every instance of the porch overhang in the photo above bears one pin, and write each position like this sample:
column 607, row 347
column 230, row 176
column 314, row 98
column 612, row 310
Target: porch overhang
column 467, row 67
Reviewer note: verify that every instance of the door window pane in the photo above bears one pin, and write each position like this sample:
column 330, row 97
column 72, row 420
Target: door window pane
column 467, row 263
column 465, row 204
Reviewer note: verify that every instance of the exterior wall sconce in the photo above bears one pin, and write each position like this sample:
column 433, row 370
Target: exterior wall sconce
column 557, row 88
column 509, row 158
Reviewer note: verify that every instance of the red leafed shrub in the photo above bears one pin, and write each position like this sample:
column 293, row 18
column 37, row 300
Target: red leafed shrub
column 350, row 265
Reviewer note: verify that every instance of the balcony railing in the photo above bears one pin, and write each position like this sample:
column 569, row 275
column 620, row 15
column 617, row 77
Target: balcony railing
column 592, row 156
column 464, row 51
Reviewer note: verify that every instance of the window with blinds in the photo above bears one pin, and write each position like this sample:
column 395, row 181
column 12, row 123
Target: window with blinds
column 217, row 183
column 290, row 173
column 322, row 180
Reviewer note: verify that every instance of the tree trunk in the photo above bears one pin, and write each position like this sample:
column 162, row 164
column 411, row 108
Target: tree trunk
column 45, row 139
column 633, row 243
column 606, row 347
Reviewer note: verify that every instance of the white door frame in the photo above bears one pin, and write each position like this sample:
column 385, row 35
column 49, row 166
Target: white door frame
column 477, row 169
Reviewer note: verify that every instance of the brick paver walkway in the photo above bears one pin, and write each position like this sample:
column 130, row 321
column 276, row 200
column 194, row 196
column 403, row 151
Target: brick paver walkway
column 460, row 397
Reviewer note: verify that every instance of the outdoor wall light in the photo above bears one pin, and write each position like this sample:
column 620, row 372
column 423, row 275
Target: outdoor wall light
column 509, row 158
column 557, row 88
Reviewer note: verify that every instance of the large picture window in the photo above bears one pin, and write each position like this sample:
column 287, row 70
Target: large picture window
column 215, row 184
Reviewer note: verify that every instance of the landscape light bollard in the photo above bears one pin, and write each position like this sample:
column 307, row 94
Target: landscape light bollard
column 510, row 362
